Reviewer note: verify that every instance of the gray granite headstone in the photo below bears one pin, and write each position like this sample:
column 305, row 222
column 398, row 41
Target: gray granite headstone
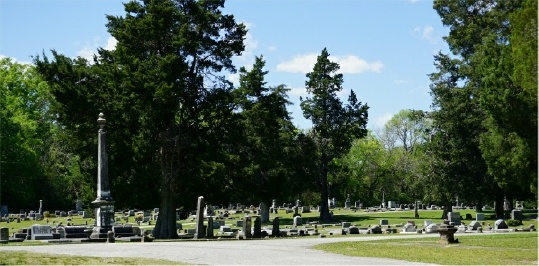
column 408, row 228
column 264, row 212
column 275, row 231
column 375, row 229
column 199, row 226
column 432, row 228
column 516, row 215
column 474, row 225
column 4, row 235
column 298, row 221
column 247, row 227
column 225, row 229
column 39, row 232
column 479, row 216
column 353, row 230
column 209, row 228
column 257, row 230
column 500, row 224
column 454, row 218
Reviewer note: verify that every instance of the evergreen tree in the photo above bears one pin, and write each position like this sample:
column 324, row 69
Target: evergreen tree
column 334, row 126
column 160, row 88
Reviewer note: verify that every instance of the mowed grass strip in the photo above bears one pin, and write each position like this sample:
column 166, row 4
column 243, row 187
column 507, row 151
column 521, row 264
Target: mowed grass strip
column 491, row 249
column 31, row 258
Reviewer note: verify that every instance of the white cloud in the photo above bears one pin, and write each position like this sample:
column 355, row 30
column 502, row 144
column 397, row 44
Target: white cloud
column 427, row 33
column 90, row 49
column 87, row 52
column 298, row 91
column 299, row 64
column 349, row 64
column 247, row 57
column 414, row 1
column 382, row 120
column 111, row 44
column 352, row 64
column 234, row 78
column 272, row 48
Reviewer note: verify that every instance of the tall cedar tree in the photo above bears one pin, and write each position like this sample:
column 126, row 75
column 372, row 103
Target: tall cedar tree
column 267, row 134
column 481, row 36
column 334, row 126
column 159, row 88
column 458, row 170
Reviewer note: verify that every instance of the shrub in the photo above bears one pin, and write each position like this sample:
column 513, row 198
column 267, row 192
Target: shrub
column 512, row 222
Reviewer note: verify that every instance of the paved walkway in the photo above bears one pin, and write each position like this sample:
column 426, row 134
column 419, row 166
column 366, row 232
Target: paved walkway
column 285, row 251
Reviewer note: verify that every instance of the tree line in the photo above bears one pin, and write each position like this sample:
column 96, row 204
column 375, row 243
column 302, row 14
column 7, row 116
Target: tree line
column 179, row 129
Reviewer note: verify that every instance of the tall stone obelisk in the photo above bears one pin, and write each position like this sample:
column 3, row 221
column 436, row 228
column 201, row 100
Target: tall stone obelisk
column 104, row 204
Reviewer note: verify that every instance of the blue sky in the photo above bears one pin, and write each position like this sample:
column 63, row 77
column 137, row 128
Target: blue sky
column 385, row 47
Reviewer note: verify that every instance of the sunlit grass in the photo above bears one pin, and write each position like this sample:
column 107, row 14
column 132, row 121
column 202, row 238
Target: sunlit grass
column 487, row 249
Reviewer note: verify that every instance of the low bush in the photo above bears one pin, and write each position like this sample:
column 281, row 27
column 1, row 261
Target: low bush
column 512, row 222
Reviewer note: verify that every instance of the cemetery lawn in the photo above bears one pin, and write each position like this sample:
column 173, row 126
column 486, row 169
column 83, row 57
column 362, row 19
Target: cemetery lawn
column 30, row 258
column 485, row 249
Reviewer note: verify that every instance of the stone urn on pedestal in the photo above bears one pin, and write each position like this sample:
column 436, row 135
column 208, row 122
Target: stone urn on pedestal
column 447, row 234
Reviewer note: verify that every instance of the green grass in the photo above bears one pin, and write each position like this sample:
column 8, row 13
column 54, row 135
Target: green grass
column 30, row 258
column 493, row 249
column 485, row 249
column 359, row 218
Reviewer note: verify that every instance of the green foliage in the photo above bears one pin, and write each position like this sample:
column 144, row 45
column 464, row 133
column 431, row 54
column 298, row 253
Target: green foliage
column 334, row 126
column 34, row 156
column 164, row 94
column 265, row 138
column 511, row 222
column 363, row 170
column 483, row 110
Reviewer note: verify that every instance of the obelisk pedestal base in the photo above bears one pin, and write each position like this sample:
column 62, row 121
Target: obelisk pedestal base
column 104, row 217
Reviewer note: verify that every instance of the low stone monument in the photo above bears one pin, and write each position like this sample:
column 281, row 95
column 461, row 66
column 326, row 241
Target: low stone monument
column 500, row 224
column 41, row 232
column 447, row 234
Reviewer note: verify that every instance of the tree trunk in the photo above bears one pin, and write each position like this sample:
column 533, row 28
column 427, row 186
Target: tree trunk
column 479, row 206
column 165, row 227
column 447, row 209
column 324, row 195
column 510, row 203
column 499, row 203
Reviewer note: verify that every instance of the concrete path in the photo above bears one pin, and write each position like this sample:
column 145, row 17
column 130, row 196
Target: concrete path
column 286, row 251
